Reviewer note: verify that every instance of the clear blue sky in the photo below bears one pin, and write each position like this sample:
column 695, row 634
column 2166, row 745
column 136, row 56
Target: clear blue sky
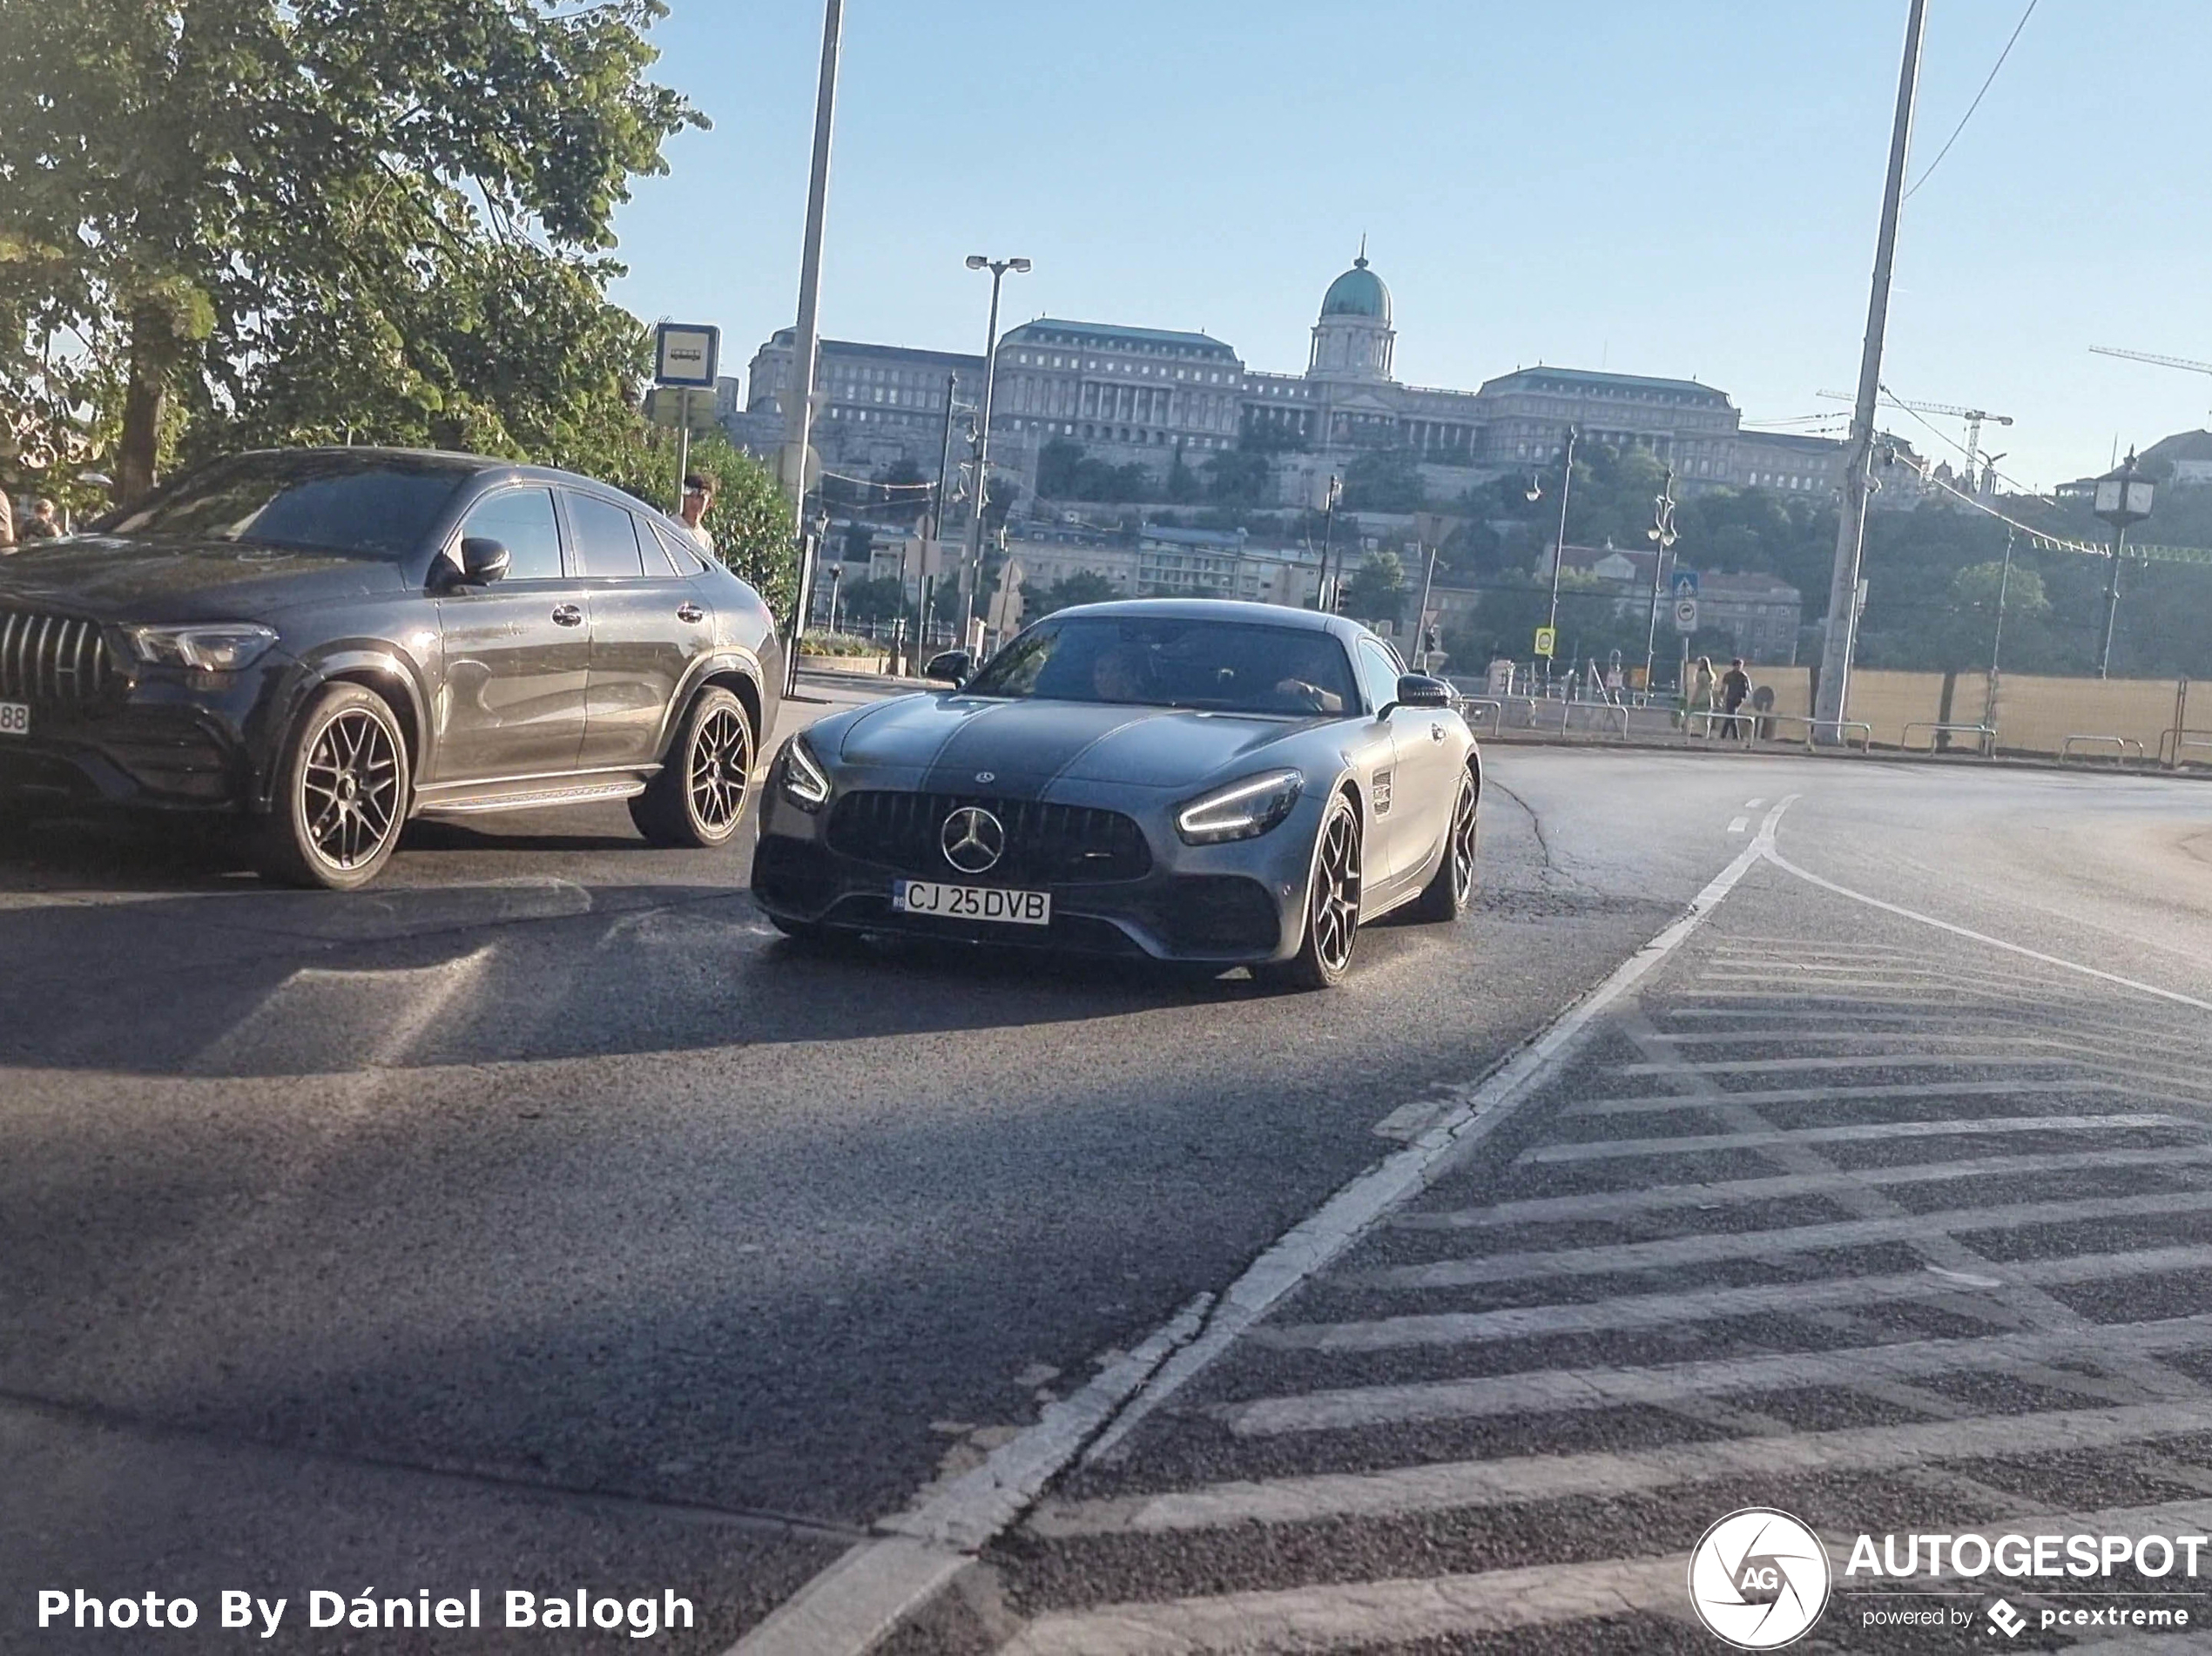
column 1684, row 189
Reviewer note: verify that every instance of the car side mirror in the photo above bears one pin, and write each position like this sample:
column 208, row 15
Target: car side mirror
column 1418, row 690
column 483, row 559
column 952, row 665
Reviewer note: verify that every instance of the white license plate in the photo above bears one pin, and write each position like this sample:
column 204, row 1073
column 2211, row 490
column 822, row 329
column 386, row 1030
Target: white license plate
column 14, row 719
column 972, row 902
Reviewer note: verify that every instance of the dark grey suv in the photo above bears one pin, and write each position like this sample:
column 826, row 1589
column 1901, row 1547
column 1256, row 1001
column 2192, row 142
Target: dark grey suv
column 326, row 642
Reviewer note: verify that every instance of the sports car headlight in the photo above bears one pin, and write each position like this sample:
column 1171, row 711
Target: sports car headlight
column 220, row 648
column 805, row 784
column 1241, row 811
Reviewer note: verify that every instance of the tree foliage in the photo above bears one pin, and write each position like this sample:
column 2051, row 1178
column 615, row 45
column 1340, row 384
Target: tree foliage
column 1384, row 479
column 1084, row 586
column 1377, row 589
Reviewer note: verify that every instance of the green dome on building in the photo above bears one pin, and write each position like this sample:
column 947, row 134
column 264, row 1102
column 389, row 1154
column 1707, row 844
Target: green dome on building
column 1359, row 292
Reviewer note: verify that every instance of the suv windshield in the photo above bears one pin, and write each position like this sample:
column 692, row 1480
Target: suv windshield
column 1235, row 666
column 375, row 507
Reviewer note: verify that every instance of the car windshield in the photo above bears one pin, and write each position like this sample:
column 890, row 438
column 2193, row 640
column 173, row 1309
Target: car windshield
column 380, row 507
column 1155, row 661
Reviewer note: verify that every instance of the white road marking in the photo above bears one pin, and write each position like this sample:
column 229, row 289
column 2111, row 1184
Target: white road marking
column 1737, row 825
column 1804, row 1065
column 1607, row 1150
column 1602, row 1204
column 1753, row 805
column 1446, row 1485
column 1560, row 1390
column 1360, row 1614
column 1677, row 1306
column 1668, row 1103
column 1811, row 878
column 1710, row 1247
column 853, row 1603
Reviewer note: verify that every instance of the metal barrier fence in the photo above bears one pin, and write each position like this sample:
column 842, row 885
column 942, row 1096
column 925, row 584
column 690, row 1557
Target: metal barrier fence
column 2120, row 746
column 1938, row 727
column 2174, row 747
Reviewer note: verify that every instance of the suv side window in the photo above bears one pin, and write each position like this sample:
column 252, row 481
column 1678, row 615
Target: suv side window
column 606, row 538
column 1378, row 675
column 685, row 557
column 521, row 521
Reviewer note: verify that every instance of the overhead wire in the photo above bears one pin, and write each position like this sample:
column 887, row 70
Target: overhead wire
column 1976, row 105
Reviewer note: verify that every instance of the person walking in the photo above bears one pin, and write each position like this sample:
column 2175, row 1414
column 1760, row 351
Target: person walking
column 1736, row 687
column 1698, row 701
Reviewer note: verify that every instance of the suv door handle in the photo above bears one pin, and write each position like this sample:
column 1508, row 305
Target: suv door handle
column 689, row 612
column 567, row 614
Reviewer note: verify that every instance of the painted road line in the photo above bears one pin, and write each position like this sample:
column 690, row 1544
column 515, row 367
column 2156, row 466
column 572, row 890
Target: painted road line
column 1753, row 805
column 1711, row 1247
column 1609, row 1203
column 1737, row 825
column 849, row 1606
column 1362, row 1614
column 1678, row 1306
column 1614, row 1149
column 2174, row 996
column 1560, row 1390
column 1317, row 1242
column 1443, row 1486
column 1826, row 1061
column 1665, row 1103
column 853, row 1603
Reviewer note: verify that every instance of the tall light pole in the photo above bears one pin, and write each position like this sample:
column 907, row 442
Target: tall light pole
column 1559, row 548
column 2123, row 498
column 799, row 413
column 1325, row 598
column 2004, row 583
column 972, row 566
column 1841, row 634
column 1662, row 535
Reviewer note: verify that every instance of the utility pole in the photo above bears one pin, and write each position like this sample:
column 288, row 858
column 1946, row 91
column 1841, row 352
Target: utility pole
column 799, row 413
column 1559, row 549
column 972, row 566
column 1841, row 637
column 1324, row 598
column 2004, row 583
column 1421, row 615
column 2120, row 499
column 1662, row 535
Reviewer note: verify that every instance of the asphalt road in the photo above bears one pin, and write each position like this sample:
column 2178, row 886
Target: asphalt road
column 539, row 1219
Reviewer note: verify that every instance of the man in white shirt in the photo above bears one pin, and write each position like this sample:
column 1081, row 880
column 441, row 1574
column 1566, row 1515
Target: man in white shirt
column 698, row 496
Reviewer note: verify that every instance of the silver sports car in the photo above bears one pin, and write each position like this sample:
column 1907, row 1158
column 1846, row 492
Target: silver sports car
column 1216, row 783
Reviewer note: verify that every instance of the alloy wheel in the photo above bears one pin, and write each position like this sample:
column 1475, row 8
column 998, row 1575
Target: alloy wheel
column 350, row 789
column 721, row 767
column 1463, row 843
column 1336, row 892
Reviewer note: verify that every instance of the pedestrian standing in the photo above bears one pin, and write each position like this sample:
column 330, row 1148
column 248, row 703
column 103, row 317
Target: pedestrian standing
column 41, row 525
column 7, row 524
column 698, row 496
column 1736, row 686
column 1698, row 704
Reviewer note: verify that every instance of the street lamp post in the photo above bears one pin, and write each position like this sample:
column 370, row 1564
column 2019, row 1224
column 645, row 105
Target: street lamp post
column 1559, row 551
column 2123, row 498
column 2003, row 584
column 1662, row 535
column 971, row 565
column 1324, row 595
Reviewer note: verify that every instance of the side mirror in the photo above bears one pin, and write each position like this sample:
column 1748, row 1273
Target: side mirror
column 483, row 561
column 1418, row 690
column 952, row 666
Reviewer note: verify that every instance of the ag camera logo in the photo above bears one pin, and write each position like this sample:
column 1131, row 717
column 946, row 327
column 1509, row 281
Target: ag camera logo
column 1758, row 1578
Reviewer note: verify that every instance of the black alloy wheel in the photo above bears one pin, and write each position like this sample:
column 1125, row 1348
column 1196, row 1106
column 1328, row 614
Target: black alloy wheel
column 1449, row 893
column 698, row 798
column 1332, row 904
column 341, row 795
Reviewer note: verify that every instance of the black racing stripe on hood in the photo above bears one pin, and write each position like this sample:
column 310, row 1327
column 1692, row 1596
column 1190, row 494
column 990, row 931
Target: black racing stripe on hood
column 1024, row 746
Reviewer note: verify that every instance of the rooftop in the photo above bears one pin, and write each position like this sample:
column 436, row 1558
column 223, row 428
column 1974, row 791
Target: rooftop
column 1114, row 333
column 1544, row 378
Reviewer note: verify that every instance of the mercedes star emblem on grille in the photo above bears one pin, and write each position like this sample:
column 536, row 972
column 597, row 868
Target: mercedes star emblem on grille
column 972, row 839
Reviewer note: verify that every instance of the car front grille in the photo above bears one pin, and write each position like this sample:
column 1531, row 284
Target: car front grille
column 1045, row 844
column 50, row 659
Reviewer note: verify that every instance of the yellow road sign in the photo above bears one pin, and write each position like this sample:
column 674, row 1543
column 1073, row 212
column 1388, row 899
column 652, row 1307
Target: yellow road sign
column 1547, row 641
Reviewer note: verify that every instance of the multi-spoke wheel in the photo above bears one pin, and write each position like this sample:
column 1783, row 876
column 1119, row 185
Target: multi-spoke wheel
column 699, row 795
column 1446, row 896
column 342, row 795
column 1332, row 904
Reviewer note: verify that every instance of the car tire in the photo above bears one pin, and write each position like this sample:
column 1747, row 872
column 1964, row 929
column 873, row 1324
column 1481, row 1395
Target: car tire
column 698, row 798
column 1332, row 895
column 343, row 788
column 1449, row 894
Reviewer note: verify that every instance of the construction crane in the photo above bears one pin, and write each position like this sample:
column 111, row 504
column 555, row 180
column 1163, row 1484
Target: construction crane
column 1974, row 417
column 2147, row 356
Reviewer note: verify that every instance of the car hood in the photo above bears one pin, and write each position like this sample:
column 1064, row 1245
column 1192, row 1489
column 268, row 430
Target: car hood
column 118, row 579
column 954, row 739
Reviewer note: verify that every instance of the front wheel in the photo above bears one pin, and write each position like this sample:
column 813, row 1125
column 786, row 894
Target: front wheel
column 699, row 795
column 1331, row 905
column 342, row 794
column 1446, row 896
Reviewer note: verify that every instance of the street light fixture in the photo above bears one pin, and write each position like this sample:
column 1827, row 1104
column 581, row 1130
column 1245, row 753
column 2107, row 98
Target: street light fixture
column 972, row 564
column 2123, row 498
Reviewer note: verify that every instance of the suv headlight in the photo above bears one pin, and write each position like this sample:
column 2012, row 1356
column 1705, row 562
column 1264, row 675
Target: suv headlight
column 219, row 648
column 805, row 784
column 1242, row 811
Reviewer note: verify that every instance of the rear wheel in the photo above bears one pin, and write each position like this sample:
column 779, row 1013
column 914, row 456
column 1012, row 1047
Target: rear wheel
column 1331, row 905
column 1446, row 896
column 342, row 794
column 698, row 798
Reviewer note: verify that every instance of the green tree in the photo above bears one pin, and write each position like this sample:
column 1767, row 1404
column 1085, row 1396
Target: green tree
column 289, row 220
column 1085, row 586
column 876, row 600
column 1377, row 589
column 1183, row 486
column 1238, row 477
column 1384, row 479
